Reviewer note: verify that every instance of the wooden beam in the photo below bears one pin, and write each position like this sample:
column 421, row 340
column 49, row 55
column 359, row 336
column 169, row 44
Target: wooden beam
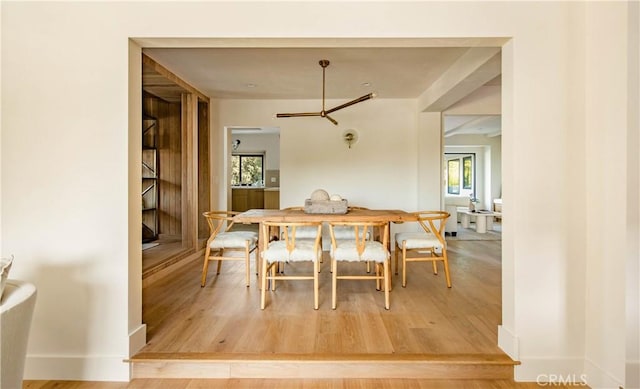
column 189, row 170
column 474, row 68
column 148, row 61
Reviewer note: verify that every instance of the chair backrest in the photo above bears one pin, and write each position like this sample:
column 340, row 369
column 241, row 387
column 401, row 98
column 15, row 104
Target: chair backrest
column 362, row 232
column 288, row 232
column 433, row 222
column 219, row 221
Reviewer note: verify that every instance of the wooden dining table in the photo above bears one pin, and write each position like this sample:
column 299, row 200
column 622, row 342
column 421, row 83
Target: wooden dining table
column 258, row 216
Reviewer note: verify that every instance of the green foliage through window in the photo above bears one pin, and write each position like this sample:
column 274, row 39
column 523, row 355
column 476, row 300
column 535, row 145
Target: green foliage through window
column 247, row 169
column 453, row 174
column 466, row 172
column 460, row 174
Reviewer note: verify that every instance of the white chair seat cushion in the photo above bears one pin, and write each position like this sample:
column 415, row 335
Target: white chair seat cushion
column 418, row 240
column 347, row 251
column 234, row 240
column 302, row 251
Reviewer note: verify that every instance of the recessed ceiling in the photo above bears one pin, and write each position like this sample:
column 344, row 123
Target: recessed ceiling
column 488, row 125
column 294, row 73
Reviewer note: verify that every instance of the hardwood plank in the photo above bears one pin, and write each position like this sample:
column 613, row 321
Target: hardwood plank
column 365, row 383
column 432, row 330
column 425, row 317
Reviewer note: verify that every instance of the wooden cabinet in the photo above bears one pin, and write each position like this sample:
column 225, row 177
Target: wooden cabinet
column 243, row 199
column 256, row 199
column 271, row 199
column 239, row 200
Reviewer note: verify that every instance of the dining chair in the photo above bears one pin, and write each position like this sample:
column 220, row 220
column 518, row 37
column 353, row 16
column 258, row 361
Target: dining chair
column 304, row 232
column 347, row 232
column 290, row 248
column 427, row 245
column 223, row 241
column 362, row 245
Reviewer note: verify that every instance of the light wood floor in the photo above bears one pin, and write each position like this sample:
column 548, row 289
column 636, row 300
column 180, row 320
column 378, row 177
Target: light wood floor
column 426, row 317
column 167, row 252
column 289, row 384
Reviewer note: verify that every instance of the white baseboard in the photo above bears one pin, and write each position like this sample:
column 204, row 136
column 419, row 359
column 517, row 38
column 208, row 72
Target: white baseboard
column 632, row 375
column 508, row 343
column 598, row 378
column 551, row 370
column 137, row 339
column 76, row 368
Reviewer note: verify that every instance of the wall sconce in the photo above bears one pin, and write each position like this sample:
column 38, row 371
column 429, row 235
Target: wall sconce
column 235, row 144
column 350, row 137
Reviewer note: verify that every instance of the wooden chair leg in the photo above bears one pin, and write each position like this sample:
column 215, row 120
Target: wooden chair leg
column 404, row 265
column 390, row 274
column 247, row 264
column 395, row 254
column 387, row 284
column 446, row 268
column 255, row 250
column 316, row 270
column 220, row 262
column 205, row 268
column 273, row 267
column 263, row 292
column 334, row 282
column 435, row 267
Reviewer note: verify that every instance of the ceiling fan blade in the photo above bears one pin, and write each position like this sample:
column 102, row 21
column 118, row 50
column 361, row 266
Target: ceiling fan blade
column 352, row 102
column 297, row 114
column 332, row 120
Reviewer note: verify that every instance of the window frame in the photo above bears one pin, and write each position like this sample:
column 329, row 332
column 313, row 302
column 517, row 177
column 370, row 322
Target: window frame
column 241, row 156
column 466, row 182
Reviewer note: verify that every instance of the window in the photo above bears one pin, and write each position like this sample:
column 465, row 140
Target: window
column 460, row 174
column 247, row 169
column 466, row 172
column 453, row 176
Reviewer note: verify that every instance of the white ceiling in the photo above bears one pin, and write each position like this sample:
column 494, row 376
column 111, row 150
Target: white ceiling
column 294, row 73
column 488, row 125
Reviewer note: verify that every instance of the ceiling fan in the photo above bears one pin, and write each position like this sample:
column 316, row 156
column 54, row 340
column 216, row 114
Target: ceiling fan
column 325, row 113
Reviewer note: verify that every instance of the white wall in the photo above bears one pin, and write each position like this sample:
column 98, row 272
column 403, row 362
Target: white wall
column 633, row 202
column 313, row 154
column 65, row 163
column 606, row 187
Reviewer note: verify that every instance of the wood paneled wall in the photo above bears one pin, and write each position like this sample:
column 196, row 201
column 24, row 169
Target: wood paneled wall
column 203, row 169
column 169, row 165
column 169, row 144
